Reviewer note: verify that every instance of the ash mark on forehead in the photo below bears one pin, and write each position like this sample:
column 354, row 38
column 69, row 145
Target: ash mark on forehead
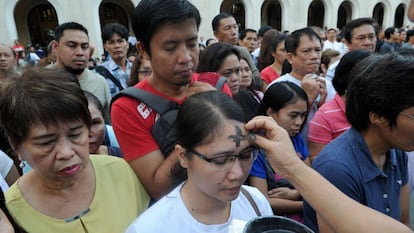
column 239, row 136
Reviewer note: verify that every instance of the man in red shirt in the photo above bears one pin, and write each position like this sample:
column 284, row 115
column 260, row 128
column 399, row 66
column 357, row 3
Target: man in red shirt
column 168, row 37
column 19, row 50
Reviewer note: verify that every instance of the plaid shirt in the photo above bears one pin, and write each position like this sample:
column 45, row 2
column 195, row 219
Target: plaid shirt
column 118, row 73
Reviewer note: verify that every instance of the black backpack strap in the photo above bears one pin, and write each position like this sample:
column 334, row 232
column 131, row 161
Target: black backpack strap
column 251, row 200
column 104, row 72
column 220, row 83
column 159, row 104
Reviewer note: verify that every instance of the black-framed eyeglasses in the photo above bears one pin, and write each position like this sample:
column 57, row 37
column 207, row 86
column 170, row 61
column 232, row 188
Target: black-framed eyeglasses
column 407, row 115
column 223, row 162
column 144, row 72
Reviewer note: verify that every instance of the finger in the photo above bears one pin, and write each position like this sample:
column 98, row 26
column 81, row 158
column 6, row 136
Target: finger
column 261, row 124
column 321, row 79
column 269, row 128
column 272, row 191
column 201, row 86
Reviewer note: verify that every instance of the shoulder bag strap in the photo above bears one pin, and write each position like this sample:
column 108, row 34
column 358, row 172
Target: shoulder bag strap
column 158, row 103
column 103, row 71
column 220, row 83
column 252, row 202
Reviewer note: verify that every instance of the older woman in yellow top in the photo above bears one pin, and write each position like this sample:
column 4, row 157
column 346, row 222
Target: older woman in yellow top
column 46, row 116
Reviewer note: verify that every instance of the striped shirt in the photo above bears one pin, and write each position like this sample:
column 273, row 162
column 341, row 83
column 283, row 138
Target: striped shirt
column 329, row 121
column 118, row 73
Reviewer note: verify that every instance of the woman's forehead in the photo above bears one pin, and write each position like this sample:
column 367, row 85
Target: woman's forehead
column 234, row 132
column 40, row 126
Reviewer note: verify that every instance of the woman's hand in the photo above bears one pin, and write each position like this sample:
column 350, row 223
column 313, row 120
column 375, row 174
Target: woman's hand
column 284, row 193
column 197, row 87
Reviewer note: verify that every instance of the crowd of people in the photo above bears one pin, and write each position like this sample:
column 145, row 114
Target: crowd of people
column 186, row 135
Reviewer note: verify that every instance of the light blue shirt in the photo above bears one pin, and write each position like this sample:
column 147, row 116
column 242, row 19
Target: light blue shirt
column 121, row 75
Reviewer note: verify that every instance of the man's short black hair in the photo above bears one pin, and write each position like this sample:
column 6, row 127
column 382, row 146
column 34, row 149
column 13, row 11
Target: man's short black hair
column 349, row 27
column 388, row 32
column 110, row 29
column 331, row 29
column 343, row 70
column 380, row 84
column 245, row 31
column 293, row 41
column 410, row 33
column 68, row 26
column 216, row 20
column 263, row 29
column 150, row 15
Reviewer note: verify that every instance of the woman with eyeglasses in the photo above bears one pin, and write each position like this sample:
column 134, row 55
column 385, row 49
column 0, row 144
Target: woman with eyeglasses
column 141, row 69
column 213, row 147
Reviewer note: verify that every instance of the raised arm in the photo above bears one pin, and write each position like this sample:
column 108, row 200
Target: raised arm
column 331, row 205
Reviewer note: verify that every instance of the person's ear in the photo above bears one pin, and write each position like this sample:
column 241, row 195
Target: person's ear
column 347, row 43
column 215, row 33
column 324, row 68
column 104, row 46
column 378, row 120
column 17, row 150
column 269, row 111
column 55, row 44
column 289, row 57
column 142, row 50
column 182, row 158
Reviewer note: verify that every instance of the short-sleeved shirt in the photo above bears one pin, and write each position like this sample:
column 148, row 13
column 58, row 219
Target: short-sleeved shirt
column 132, row 122
column 347, row 163
column 269, row 74
column 6, row 164
column 338, row 46
column 328, row 122
column 119, row 198
column 330, row 73
column 258, row 168
column 170, row 214
column 95, row 84
column 121, row 75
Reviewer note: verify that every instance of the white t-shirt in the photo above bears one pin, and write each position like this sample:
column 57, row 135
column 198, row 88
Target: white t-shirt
column 330, row 73
column 5, row 165
column 3, row 184
column 287, row 77
column 338, row 46
column 34, row 57
column 170, row 215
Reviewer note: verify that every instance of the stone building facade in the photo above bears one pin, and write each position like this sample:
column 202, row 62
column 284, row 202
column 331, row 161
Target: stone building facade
column 33, row 21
